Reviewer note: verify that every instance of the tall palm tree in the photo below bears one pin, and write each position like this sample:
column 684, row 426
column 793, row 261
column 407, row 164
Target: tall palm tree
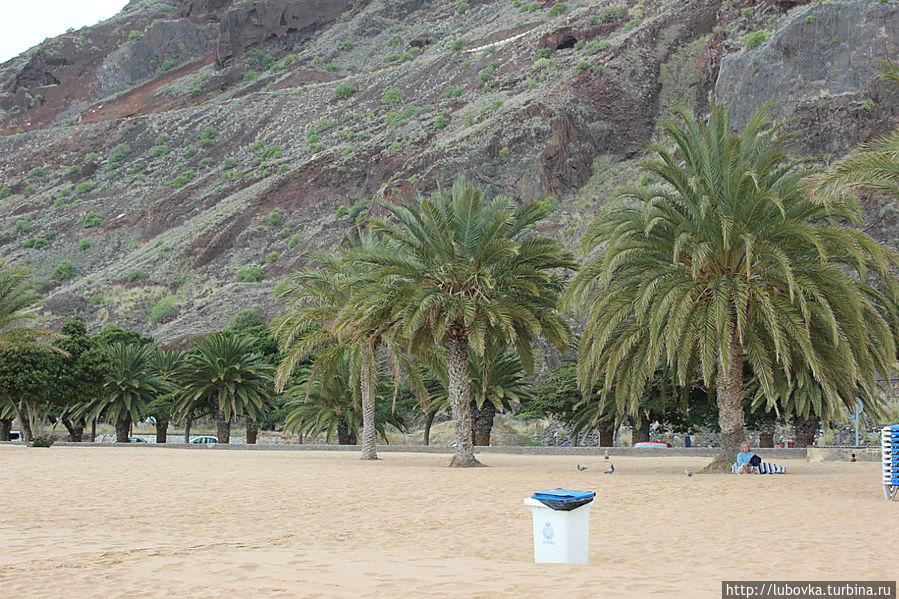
column 316, row 323
column 226, row 371
column 460, row 271
column 726, row 260
column 873, row 166
column 131, row 384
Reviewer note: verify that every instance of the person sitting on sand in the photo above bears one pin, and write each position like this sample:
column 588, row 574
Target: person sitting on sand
column 745, row 463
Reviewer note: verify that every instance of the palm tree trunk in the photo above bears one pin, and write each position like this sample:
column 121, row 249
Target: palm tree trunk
column 188, row 421
column 5, row 427
column 767, row 426
column 93, row 430
column 252, row 431
column 75, row 428
column 460, row 401
column 729, row 393
column 606, row 434
column 122, row 426
column 482, row 422
column 805, row 429
column 223, row 426
column 161, row 430
column 428, row 423
column 369, row 433
column 639, row 431
column 343, row 431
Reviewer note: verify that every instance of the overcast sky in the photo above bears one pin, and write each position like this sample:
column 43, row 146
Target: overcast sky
column 25, row 23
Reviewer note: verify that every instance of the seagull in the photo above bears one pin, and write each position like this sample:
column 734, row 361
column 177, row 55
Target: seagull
column 607, row 454
column 581, row 468
column 610, row 470
column 688, row 473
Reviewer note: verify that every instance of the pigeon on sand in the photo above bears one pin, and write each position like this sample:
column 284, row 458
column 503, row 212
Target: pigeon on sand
column 581, row 468
column 610, row 470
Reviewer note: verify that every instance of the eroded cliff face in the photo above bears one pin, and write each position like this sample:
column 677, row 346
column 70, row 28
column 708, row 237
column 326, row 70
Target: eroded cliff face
column 208, row 136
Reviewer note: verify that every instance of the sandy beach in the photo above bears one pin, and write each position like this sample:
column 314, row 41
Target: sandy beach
column 156, row 522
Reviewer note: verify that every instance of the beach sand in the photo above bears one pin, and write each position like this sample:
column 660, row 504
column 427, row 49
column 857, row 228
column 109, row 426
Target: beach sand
column 143, row 521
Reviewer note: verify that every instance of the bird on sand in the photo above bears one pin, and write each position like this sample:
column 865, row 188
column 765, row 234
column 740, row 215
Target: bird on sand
column 581, row 468
column 607, row 454
column 610, row 470
column 688, row 473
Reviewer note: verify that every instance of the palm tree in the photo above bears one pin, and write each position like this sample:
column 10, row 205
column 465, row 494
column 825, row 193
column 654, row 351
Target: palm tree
column 131, row 384
column 727, row 260
column 226, row 371
column 873, row 166
column 17, row 303
column 166, row 363
column 458, row 272
column 328, row 404
column 316, row 323
column 497, row 382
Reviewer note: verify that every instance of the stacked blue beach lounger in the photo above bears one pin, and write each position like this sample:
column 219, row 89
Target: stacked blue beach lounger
column 890, row 450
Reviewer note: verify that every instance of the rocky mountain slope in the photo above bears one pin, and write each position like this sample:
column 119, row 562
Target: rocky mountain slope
column 165, row 168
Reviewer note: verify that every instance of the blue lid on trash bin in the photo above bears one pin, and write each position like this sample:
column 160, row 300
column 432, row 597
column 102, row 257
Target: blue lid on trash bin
column 563, row 499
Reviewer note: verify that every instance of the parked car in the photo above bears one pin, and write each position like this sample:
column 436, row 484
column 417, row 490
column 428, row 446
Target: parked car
column 205, row 440
column 651, row 444
column 136, row 440
column 15, row 436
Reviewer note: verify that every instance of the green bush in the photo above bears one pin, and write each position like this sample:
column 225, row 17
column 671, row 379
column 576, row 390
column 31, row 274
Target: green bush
column 251, row 274
column 84, row 245
column 274, row 219
column 92, row 158
column 344, row 90
column 229, row 163
column 166, row 66
column 74, row 170
column 40, row 441
column 451, row 92
column 36, row 172
column 21, row 226
column 341, row 212
column 392, row 96
column 191, row 152
column 92, row 219
column 158, row 151
column 135, row 275
column 35, row 243
column 756, row 38
column 394, row 40
column 544, row 53
column 633, row 24
column 441, row 122
column 5, row 192
column 597, row 47
column 205, row 163
column 347, row 45
column 162, row 139
column 205, row 142
column 458, row 44
column 541, row 63
column 246, row 319
column 558, row 9
column 182, row 179
column 295, row 240
column 271, row 257
column 64, row 271
column 251, row 75
column 257, row 145
column 462, row 7
column 272, row 152
column 97, row 299
column 209, row 132
column 83, row 187
column 581, row 66
column 119, row 152
column 165, row 309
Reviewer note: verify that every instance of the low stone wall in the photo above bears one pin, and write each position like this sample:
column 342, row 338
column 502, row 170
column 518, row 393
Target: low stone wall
column 843, row 454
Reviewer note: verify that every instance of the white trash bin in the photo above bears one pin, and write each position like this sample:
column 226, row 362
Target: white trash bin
column 560, row 536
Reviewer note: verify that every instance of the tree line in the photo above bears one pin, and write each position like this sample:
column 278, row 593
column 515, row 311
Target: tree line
column 736, row 273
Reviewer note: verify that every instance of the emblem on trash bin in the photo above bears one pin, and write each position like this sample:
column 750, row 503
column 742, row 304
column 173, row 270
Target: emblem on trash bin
column 548, row 534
